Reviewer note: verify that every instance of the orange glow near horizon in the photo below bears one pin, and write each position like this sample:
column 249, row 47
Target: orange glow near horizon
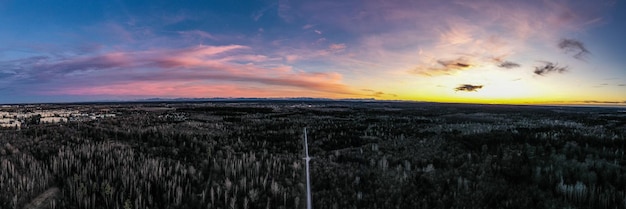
column 504, row 88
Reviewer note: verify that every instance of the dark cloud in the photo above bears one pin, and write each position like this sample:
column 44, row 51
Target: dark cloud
column 508, row 65
column 444, row 67
column 601, row 85
column 621, row 84
column 574, row 46
column 549, row 67
column 458, row 63
column 468, row 87
column 500, row 62
column 377, row 93
column 603, row 102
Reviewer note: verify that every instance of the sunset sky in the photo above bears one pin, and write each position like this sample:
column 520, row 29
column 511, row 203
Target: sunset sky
column 521, row 52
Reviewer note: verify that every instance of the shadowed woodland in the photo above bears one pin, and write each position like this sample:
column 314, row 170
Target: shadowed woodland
column 365, row 155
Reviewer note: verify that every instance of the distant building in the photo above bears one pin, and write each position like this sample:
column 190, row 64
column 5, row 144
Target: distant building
column 53, row 120
column 10, row 123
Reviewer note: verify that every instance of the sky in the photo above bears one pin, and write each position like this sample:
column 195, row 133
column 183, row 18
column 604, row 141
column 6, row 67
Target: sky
column 484, row 51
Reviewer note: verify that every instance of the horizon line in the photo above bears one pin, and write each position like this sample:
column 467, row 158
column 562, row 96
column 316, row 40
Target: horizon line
column 219, row 99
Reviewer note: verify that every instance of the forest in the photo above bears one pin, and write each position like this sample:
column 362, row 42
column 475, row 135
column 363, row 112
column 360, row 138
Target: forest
column 364, row 155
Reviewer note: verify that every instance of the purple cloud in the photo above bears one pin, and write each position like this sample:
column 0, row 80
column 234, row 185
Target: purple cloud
column 201, row 63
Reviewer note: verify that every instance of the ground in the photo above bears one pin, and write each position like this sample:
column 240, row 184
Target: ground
column 364, row 155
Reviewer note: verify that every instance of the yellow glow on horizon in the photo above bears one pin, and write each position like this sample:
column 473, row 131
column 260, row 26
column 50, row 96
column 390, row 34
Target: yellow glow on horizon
column 499, row 87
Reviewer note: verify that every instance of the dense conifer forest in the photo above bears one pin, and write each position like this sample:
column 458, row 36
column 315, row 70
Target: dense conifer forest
column 364, row 155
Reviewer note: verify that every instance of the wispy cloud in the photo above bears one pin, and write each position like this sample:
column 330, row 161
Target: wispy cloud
column 377, row 94
column 549, row 67
column 196, row 34
column 468, row 87
column 284, row 10
column 186, row 89
column 455, row 64
column 336, row 47
column 198, row 64
column 477, row 30
column 574, row 46
column 603, row 102
column 258, row 14
column 444, row 66
column 508, row 65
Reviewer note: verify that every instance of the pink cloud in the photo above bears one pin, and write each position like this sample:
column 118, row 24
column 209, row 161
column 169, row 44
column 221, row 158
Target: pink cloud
column 201, row 55
column 336, row 47
column 170, row 70
column 165, row 89
column 456, row 36
column 190, row 89
column 204, row 50
column 291, row 57
column 316, row 50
